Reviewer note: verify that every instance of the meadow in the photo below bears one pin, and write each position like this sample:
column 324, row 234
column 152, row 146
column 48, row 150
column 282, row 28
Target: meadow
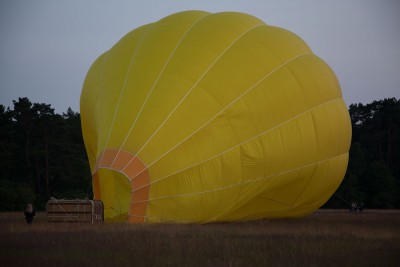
column 325, row 238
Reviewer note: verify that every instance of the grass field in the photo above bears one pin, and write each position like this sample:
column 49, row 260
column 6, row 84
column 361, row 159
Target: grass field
column 325, row 238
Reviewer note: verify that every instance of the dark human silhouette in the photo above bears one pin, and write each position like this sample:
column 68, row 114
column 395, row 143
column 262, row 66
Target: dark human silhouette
column 356, row 207
column 29, row 213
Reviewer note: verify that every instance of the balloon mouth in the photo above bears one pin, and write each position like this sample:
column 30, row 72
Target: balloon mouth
column 129, row 178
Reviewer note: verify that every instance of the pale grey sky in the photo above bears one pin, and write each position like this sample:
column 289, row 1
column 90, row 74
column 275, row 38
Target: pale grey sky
column 47, row 46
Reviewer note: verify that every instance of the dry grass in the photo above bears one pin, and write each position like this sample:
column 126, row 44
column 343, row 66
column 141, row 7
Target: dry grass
column 328, row 238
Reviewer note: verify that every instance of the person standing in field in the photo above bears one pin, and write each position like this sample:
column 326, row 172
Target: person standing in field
column 29, row 213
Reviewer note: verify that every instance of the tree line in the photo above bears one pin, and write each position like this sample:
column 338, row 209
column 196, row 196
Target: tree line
column 373, row 173
column 42, row 155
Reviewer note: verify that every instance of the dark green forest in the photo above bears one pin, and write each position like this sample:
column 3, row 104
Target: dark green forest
column 373, row 173
column 42, row 155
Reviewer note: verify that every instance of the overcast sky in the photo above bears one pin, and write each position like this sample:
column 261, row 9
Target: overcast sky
column 47, row 46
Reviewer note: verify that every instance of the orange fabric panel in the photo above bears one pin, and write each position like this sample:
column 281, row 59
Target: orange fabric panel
column 134, row 170
column 141, row 180
column 121, row 160
column 134, row 167
column 107, row 158
column 137, row 212
column 96, row 186
column 141, row 194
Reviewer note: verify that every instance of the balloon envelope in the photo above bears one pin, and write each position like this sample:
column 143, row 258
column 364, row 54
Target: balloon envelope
column 204, row 117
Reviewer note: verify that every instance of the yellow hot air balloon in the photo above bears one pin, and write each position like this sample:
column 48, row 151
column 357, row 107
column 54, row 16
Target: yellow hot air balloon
column 204, row 117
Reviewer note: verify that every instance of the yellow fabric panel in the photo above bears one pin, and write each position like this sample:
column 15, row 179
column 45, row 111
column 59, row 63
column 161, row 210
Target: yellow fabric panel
column 215, row 182
column 89, row 110
column 120, row 64
column 161, row 124
column 115, row 194
column 116, row 67
column 324, row 184
column 222, row 85
column 229, row 118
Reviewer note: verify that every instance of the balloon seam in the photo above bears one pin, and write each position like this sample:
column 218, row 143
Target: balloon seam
column 248, row 140
column 194, row 86
column 245, row 182
column 123, row 89
column 101, row 91
column 245, row 92
column 156, row 81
